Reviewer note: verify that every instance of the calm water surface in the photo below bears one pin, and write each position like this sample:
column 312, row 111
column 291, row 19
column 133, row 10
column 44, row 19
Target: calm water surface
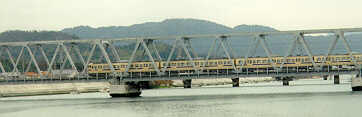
column 306, row 98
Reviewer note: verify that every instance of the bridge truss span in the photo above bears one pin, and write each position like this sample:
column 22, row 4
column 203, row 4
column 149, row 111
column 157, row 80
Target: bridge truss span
column 179, row 57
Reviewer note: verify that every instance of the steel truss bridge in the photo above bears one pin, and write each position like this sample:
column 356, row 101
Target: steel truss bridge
column 48, row 60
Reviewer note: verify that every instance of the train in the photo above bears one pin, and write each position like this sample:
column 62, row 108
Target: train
column 251, row 64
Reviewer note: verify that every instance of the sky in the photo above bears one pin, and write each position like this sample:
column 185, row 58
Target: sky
column 279, row 14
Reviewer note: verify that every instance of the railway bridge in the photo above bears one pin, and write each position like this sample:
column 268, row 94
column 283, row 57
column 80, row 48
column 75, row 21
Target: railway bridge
column 181, row 58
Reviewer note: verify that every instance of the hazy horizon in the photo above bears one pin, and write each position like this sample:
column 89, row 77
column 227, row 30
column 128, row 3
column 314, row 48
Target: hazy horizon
column 279, row 14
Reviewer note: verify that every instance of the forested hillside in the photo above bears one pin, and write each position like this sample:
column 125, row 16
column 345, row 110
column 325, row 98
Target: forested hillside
column 17, row 35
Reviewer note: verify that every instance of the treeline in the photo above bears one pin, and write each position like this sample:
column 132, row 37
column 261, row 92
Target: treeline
column 18, row 35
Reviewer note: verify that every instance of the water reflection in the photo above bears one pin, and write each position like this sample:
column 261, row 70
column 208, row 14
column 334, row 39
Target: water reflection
column 270, row 100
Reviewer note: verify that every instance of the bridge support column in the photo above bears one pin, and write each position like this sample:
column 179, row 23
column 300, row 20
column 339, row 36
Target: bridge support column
column 325, row 77
column 124, row 89
column 336, row 79
column 187, row 83
column 145, row 84
column 235, row 82
column 286, row 81
column 357, row 83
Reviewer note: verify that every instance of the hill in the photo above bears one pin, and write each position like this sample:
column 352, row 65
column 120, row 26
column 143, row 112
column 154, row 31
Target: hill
column 167, row 27
column 17, row 35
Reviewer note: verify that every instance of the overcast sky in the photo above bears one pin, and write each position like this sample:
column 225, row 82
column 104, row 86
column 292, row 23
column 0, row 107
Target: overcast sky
column 280, row 14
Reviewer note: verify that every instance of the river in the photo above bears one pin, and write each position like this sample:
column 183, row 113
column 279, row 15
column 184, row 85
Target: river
column 305, row 98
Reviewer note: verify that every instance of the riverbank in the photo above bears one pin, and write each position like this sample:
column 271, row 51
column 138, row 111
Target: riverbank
column 51, row 88
column 11, row 90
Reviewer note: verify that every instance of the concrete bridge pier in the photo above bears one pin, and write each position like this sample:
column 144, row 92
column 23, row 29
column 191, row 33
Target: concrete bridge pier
column 235, row 82
column 286, row 81
column 325, row 77
column 357, row 83
column 124, row 89
column 187, row 83
column 336, row 79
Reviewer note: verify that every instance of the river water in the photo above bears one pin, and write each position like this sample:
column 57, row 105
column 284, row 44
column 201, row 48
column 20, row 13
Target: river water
column 305, row 98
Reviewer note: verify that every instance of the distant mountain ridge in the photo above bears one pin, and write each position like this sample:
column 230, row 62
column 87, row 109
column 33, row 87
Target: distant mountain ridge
column 169, row 27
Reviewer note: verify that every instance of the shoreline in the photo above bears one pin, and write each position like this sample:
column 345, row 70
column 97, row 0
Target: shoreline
column 15, row 90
